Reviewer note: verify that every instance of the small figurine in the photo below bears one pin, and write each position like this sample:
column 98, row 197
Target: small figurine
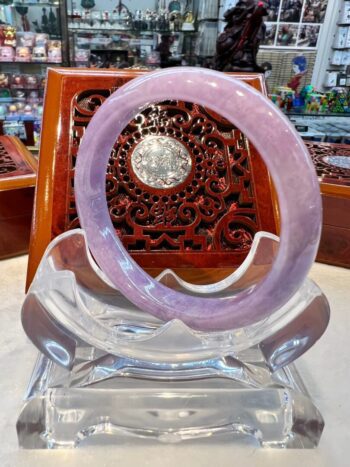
column 44, row 21
column 23, row 54
column 12, row 109
column 238, row 45
column 174, row 6
column 188, row 24
column 7, row 54
column 20, row 107
column 53, row 23
column 28, row 110
column 87, row 4
column 31, row 81
column 10, row 36
column 39, row 54
column 299, row 68
column 267, row 67
column 81, row 55
column 19, row 94
column 41, row 39
column 175, row 21
column 54, row 51
column 164, row 50
column 17, row 81
column 23, row 11
column 4, row 80
column 25, row 39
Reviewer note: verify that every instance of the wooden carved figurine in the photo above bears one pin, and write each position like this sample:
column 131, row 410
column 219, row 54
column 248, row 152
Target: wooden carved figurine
column 238, row 45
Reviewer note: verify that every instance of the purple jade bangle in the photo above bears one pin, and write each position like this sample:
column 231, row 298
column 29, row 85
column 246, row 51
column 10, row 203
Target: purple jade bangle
column 286, row 158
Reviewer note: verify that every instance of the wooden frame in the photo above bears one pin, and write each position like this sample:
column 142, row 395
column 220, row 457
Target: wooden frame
column 54, row 174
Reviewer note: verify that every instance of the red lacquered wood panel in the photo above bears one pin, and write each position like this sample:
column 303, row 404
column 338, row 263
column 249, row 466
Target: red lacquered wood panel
column 331, row 162
column 228, row 193
column 17, row 180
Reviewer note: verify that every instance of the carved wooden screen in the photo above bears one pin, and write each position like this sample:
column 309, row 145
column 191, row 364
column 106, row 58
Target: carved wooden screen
column 207, row 221
column 332, row 162
column 17, row 167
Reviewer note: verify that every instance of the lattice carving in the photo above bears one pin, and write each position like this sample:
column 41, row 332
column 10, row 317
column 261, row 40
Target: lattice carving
column 214, row 210
column 7, row 164
column 331, row 173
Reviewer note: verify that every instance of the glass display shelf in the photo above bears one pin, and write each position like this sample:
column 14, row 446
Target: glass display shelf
column 32, row 63
column 91, row 30
column 316, row 115
column 38, row 4
column 34, row 39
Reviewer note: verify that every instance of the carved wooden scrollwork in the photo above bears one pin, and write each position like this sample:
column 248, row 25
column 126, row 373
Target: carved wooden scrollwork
column 7, row 163
column 213, row 210
column 332, row 162
column 13, row 159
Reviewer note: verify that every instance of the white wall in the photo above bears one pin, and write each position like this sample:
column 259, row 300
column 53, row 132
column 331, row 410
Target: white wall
column 324, row 48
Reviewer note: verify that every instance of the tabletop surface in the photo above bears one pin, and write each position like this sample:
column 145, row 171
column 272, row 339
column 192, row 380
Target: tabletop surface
column 325, row 368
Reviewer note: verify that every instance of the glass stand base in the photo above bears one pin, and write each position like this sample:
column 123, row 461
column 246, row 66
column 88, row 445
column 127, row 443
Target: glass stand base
column 104, row 399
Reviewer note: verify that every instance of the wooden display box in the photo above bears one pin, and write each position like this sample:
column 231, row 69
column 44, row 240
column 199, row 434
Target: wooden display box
column 203, row 228
column 17, row 182
column 335, row 188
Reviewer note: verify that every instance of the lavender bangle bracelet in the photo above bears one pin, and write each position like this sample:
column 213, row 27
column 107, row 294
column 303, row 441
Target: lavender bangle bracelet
column 286, row 158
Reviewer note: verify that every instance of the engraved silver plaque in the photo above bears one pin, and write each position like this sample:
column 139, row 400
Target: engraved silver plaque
column 161, row 162
column 342, row 162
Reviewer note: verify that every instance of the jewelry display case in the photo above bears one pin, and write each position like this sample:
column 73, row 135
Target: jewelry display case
column 32, row 37
column 132, row 34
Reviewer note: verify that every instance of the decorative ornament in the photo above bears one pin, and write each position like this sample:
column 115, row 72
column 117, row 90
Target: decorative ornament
column 269, row 131
column 238, row 45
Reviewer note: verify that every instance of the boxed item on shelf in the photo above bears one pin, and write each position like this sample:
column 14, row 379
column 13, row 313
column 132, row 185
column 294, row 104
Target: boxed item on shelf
column 337, row 57
column 41, row 39
column 341, row 37
column 4, row 80
column 54, row 51
column 25, row 39
column 39, row 54
column 331, row 79
column 14, row 128
column 345, row 13
column 23, row 54
column 82, row 55
column 347, row 43
column 8, row 35
column 7, row 54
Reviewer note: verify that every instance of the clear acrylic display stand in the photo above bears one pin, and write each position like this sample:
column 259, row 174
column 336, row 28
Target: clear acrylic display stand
column 107, row 371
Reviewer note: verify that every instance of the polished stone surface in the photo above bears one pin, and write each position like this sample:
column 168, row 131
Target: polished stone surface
column 293, row 174
column 325, row 368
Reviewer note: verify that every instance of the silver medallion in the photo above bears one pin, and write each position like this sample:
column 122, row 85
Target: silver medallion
column 161, row 162
column 342, row 162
